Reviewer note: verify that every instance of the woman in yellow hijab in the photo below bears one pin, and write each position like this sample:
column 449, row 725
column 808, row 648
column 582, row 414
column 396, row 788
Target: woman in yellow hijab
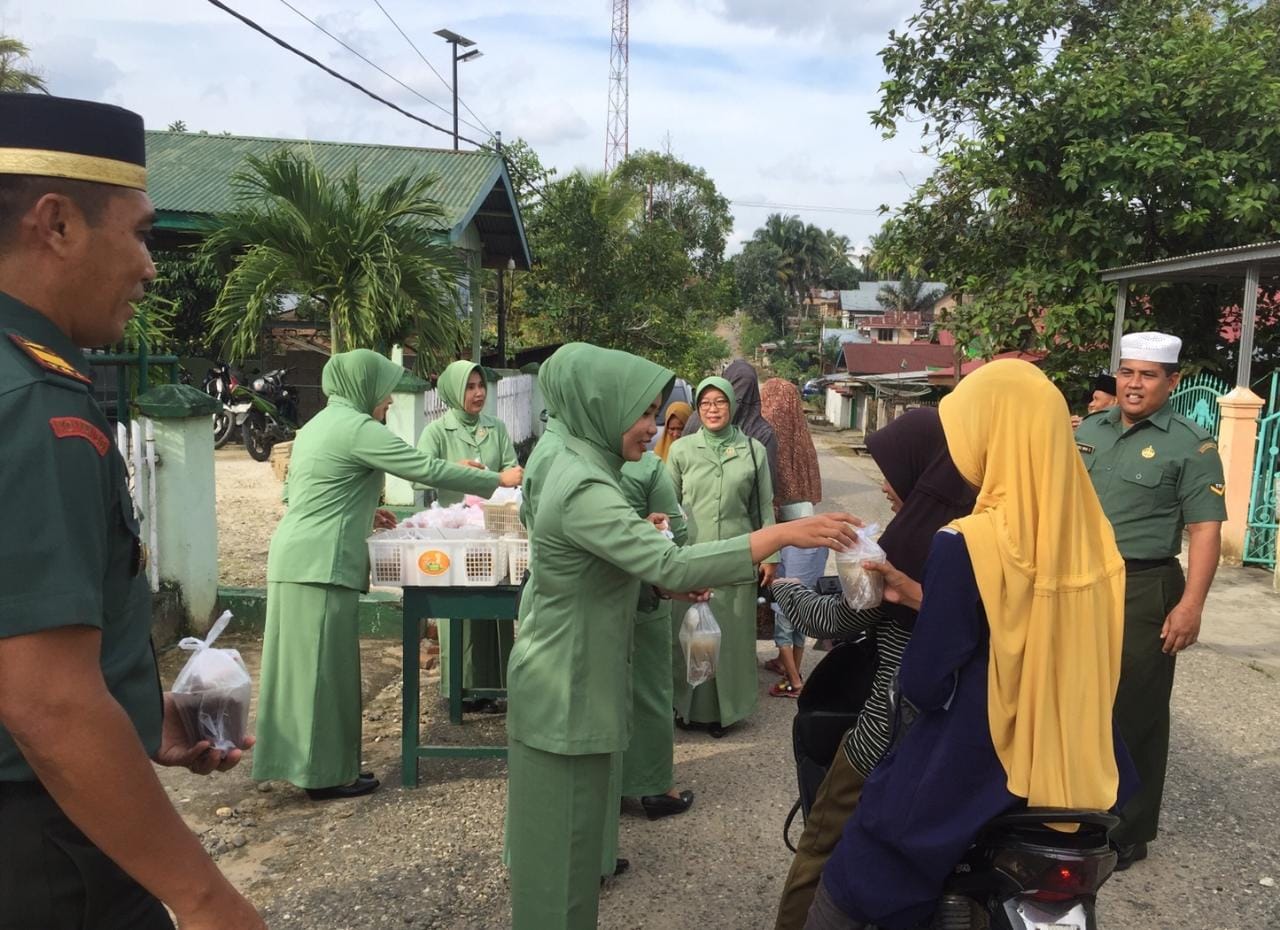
column 1013, row 663
column 678, row 413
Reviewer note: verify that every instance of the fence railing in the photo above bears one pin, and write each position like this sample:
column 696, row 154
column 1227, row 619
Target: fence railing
column 1196, row 398
column 513, row 402
column 137, row 445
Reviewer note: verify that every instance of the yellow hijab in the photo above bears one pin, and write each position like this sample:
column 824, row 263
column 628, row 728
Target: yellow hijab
column 1051, row 580
column 677, row 409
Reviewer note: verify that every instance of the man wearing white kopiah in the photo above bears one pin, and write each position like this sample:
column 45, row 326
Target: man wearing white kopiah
column 1155, row 473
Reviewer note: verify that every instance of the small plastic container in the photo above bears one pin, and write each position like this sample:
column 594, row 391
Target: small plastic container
column 861, row 589
column 435, row 558
column 517, row 552
column 503, row 519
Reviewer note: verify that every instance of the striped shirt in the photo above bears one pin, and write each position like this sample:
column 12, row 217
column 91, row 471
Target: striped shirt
column 826, row 616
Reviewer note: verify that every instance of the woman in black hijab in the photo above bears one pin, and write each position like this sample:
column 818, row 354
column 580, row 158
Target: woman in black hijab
column 926, row 493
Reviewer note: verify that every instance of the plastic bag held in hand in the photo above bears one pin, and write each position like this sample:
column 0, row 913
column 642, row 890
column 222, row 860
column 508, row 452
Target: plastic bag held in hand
column 212, row 691
column 862, row 589
column 700, row 641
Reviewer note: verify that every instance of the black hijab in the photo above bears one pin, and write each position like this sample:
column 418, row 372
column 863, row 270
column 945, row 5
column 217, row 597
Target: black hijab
column 911, row 453
column 746, row 412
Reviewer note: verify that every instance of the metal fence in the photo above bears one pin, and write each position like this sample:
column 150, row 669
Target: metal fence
column 1196, row 398
column 137, row 445
column 1264, row 521
column 514, row 406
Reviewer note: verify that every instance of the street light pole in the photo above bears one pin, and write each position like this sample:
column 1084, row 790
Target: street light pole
column 455, row 41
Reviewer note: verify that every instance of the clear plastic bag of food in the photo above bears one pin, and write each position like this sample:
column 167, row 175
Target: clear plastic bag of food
column 212, row 691
column 862, row 589
column 700, row 642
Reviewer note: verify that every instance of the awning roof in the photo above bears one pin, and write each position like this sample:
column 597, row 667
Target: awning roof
column 189, row 180
column 1214, row 265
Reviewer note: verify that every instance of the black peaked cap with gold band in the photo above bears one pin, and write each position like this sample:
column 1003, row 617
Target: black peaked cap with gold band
column 57, row 137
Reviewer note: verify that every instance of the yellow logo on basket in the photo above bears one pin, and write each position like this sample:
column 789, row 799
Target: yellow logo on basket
column 433, row 562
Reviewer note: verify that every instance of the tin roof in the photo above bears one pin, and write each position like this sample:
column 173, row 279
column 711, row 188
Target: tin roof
column 865, row 298
column 1213, row 264
column 189, row 180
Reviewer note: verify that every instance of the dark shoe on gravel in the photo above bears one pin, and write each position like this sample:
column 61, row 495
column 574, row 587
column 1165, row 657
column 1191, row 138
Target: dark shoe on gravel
column 361, row 786
column 1127, row 855
column 717, row 731
column 664, row 805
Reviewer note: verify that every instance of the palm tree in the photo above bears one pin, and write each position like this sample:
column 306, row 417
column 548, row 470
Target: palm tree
column 375, row 265
column 908, row 295
column 13, row 77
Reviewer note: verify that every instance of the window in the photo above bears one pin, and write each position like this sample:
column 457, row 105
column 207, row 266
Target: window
column 884, row 335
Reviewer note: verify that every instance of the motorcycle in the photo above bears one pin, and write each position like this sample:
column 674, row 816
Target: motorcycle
column 272, row 415
column 220, row 383
column 1019, row 873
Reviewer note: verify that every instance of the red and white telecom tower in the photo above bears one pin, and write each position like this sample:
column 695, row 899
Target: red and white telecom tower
column 615, row 139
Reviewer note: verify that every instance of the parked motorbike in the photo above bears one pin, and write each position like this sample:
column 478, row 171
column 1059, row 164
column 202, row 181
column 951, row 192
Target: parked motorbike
column 220, row 383
column 1019, row 874
column 272, row 415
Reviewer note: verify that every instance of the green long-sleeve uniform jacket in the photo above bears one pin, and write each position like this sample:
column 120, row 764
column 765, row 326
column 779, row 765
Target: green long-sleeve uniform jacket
column 455, row 436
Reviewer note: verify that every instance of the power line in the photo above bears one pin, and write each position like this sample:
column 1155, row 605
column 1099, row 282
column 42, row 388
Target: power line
column 857, row 211
column 376, row 66
column 432, row 67
column 341, row 77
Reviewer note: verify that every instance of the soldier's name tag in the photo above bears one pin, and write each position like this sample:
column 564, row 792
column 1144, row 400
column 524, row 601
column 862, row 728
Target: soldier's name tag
column 1085, row 448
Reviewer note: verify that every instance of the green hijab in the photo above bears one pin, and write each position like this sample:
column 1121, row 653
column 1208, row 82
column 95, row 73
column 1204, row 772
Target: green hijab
column 452, row 388
column 728, row 434
column 598, row 394
column 360, row 379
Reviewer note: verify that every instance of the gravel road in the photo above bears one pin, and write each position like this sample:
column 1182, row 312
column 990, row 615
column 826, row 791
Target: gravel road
column 431, row 857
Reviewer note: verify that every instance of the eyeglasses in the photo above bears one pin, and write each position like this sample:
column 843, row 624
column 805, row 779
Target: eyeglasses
column 712, row 404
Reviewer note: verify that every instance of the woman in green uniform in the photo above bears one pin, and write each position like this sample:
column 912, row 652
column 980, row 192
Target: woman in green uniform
column 722, row 479
column 569, row 677
column 647, row 766
column 467, row 436
column 309, row 697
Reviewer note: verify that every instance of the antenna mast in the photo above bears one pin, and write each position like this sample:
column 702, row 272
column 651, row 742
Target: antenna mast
column 615, row 140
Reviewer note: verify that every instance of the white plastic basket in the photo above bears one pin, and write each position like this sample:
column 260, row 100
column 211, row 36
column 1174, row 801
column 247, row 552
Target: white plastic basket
column 517, row 557
column 435, row 558
column 503, row 519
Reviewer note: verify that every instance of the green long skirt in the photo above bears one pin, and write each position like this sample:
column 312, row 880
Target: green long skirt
column 309, row 721
column 732, row 694
column 555, row 836
column 647, row 764
column 486, row 647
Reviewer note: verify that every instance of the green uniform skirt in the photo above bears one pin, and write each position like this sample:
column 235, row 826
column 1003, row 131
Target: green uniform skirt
column 555, row 836
column 486, row 647
column 732, row 694
column 1142, row 700
column 647, row 763
column 309, row 714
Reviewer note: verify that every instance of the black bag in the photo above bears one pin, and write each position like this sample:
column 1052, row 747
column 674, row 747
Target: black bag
column 827, row 708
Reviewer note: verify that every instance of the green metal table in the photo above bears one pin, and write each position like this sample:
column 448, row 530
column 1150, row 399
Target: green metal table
column 455, row 606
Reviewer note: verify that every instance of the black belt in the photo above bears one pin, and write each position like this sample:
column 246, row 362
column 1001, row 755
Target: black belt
column 1144, row 565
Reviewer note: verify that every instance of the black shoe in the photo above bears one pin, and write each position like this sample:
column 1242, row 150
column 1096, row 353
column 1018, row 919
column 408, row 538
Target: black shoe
column 1127, row 855
column 618, row 868
column 685, row 724
column 717, row 731
column 664, row 805
column 492, row 706
column 477, row 706
column 360, row 786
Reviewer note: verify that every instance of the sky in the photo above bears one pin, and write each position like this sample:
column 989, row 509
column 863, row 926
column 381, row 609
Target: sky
column 770, row 97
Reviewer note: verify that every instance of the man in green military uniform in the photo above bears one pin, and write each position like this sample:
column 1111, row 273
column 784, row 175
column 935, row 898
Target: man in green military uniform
column 1155, row 473
column 88, row 837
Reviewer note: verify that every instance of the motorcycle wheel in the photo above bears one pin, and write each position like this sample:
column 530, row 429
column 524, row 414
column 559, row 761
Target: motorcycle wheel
column 256, row 441
column 222, row 429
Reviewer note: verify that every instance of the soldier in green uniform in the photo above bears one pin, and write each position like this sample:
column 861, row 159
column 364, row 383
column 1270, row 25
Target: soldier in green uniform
column 466, row 435
column 569, row 675
column 88, row 837
column 1155, row 473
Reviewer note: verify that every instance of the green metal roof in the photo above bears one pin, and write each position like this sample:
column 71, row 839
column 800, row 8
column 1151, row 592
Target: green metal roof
column 189, row 180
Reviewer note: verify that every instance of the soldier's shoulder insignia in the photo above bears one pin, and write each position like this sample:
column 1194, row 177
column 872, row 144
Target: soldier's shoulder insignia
column 78, row 428
column 1084, row 448
column 1207, row 447
column 48, row 359
column 1219, row 489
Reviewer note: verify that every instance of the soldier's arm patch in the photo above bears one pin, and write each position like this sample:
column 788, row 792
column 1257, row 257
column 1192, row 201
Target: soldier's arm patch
column 48, row 359
column 1207, row 447
column 77, row 428
column 1219, row 489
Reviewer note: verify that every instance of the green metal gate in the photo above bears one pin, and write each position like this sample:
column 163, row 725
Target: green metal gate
column 1264, row 522
column 1196, row 398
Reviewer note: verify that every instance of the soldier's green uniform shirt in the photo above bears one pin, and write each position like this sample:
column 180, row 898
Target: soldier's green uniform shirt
column 70, row 554
column 1152, row 478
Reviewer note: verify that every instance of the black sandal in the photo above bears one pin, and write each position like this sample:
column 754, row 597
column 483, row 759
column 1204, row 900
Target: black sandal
column 717, row 731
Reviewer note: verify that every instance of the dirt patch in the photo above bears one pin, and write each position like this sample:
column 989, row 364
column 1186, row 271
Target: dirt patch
column 249, row 507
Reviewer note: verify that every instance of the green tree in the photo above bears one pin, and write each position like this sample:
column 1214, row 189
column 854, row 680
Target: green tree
column 1075, row 135
column 908, row 295
column 15, row 76
column 374, row 264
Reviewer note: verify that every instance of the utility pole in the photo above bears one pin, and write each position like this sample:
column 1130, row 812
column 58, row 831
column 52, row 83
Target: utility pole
column 457, row 41
column 616, row 132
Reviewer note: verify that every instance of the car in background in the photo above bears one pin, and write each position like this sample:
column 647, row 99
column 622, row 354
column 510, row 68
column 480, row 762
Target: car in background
column 812, row 388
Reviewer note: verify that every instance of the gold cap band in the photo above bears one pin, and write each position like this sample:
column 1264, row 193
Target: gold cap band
column 75, row 167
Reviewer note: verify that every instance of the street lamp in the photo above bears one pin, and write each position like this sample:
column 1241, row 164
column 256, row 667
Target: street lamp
column 457, row 42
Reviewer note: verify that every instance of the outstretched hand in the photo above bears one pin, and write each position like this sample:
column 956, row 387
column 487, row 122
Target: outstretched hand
column 511, row 477
column 834, row 530
column 177, row 750
column 899, row 587
column 384, row 519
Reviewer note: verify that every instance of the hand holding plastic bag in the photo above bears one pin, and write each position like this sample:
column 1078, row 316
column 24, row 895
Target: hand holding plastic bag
column 862, row 589
column 212, row 691
column 700, row 641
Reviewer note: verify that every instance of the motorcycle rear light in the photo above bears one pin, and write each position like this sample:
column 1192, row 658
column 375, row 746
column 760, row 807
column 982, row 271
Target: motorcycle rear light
column 1057, row 878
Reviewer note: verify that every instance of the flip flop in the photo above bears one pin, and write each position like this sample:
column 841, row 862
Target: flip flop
column 784, row 689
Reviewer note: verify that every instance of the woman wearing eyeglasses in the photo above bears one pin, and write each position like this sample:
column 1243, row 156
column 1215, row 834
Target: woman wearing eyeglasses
column 722, row 480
